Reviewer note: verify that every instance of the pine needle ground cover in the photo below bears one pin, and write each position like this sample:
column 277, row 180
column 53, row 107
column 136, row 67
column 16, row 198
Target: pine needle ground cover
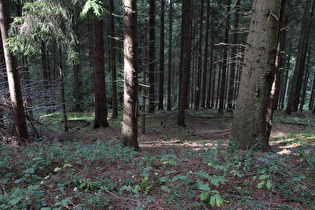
column 178, row 168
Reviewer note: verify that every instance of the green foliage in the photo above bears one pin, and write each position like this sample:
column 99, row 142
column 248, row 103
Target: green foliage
column 94, row 6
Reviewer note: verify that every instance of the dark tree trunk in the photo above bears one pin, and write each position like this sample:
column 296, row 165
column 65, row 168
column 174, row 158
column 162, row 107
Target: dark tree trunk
column 130, row 116
column 162, row 58
column 205, row 59
column 296, row 83
column 113, row 59
column 230, row 100
column 199, row 71
column 311, row 102
column 151, row 72
column 100, row 102
column 170, row 60
column 225, row 59
column 250, row 126
column 12, row 74
column 278, row 65
column 185, row 65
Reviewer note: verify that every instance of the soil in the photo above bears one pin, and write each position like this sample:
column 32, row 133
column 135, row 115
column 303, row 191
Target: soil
column 162, row 135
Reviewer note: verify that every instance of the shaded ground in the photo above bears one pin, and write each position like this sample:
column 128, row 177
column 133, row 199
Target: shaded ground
column 188, row 168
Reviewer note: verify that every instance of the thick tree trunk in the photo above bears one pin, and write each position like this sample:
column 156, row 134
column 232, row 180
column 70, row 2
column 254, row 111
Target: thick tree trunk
column 185, row 65
column 12, row 74
column 100, row 102
column 130, row 116
column 250, row 127
column 113, row 59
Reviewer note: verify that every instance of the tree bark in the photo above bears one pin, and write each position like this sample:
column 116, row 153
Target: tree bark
column 162, row 57
column 100, row 102
column 151, row 72
column 296, row 84
column 225, row 59
column 230, row 100
column 130, row 116
column 170, row 60
column 12, row 74
column 63, row 94
column 77, row 80
column 199, row 71
column 113, row 59
column 250, row 127
column 185, row 65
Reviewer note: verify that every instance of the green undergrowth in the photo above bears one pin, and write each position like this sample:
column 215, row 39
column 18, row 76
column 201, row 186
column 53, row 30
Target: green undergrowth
column 104, row 175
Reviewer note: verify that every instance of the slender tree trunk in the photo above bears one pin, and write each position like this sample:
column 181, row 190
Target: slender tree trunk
column 100, row 102
column 311, row 102
column 230, row 100
column 162, row 58
column 296, row 84
column 131, row 86
column 170, row 60
column 63, row 94
column 12, row 74
column 77, row 81
column 152, row 57
column 250, row 126
column 145, row 70
column 186, row 43
column 205, row 59
column 225, row 59
column 113, row 59
column 199, row 71
column 305, row 81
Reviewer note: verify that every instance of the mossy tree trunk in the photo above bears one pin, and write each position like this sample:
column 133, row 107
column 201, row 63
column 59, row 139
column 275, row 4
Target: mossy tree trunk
column 131, row 85
column 250, row 127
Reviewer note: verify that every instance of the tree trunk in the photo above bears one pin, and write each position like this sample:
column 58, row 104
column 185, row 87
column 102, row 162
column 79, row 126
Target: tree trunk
column 77, row 80
column 63, row 94
column 113, row 59
column 170, row 60
column 199, row 71
column 305, row 81
column 225, row 59
column 162, row 58
column 12, row 74
column 250, row 127
column 205, row 59
column 152, row 57
column 185, row 65
column 145, row 70
column 230, row 100
column 130, row 116
column 100, row 102
column 296, row 84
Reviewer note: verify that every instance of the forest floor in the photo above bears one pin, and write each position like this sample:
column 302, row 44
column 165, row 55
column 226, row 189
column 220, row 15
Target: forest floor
column 177, row 168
